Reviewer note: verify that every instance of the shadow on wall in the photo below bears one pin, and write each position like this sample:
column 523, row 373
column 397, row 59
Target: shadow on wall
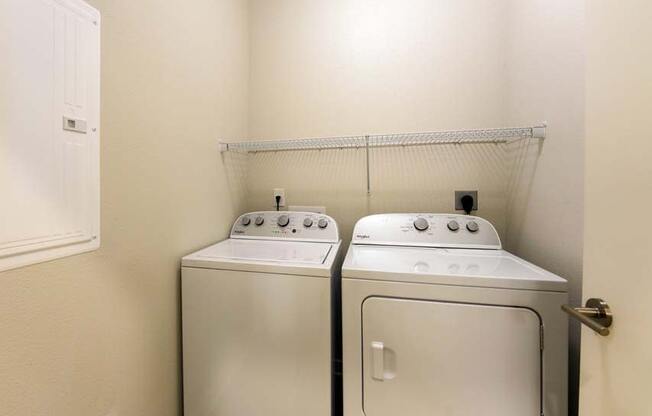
column 402, row 179
column 522, row 157
column 235, row 166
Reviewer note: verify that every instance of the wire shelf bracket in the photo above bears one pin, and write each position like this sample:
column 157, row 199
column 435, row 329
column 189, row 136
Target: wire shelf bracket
column 367, row 141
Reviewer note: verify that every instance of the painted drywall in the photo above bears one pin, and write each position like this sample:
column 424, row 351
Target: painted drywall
column 340, row 68
column 616, row 369
column 545, row 67
column 325, row 68
column 98, row 334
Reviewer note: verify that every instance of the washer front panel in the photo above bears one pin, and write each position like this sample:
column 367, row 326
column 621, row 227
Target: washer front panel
column 255, row 344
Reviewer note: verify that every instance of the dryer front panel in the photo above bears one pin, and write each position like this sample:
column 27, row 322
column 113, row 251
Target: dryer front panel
column 426, row 358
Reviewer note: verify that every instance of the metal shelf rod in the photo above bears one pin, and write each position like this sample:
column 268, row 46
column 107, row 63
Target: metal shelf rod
column 474, row 136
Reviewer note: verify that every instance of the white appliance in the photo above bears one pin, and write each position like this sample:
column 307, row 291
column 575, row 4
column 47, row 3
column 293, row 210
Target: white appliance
column 256, row 318
column 439, row 320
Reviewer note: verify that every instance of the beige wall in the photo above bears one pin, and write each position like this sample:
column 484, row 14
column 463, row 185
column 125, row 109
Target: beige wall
column 327, row 68
column 342, row 67
column 545, row 66
column 374, row 66
column 98, row 334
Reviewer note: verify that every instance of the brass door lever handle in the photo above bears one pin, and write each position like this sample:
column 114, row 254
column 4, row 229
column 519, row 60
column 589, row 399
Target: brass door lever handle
column 596, row 314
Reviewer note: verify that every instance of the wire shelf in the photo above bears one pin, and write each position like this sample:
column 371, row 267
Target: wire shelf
column 495, row 135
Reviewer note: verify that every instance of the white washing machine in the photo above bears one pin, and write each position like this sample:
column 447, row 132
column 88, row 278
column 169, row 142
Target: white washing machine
column 256, row 318
column 439, row 320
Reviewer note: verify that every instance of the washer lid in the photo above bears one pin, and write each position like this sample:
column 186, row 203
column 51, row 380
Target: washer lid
column 290, row 257
column 267, row 251
column 461, row 267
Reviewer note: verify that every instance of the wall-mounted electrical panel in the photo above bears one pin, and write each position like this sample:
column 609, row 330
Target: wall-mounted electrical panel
column 49, row 130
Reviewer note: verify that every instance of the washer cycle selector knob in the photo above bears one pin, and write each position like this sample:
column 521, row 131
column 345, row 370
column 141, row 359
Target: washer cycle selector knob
column 421, row 224
column 472, row 226
column 283, row 220
column 453, row 225
column 245, row 221
column 322, row 223
column 307, row 222
column 259, row 220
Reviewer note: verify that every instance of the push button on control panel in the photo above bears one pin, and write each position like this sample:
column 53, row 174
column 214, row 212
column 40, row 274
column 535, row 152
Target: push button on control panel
column 472, row 226
column 421, row 224
column 283, row 220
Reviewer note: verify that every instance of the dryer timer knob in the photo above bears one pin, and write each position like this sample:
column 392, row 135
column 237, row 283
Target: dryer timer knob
column 283, row 220
column 472, row 226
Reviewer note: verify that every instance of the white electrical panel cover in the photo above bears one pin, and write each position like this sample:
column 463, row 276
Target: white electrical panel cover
column 49, row 130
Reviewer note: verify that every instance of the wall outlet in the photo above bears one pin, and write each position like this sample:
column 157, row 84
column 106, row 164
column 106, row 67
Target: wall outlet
column 279, row 192
column 458, row 199
column 308, row 208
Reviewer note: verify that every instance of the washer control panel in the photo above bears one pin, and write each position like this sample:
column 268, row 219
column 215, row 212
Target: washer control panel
column 286, row 225
column 426, row 230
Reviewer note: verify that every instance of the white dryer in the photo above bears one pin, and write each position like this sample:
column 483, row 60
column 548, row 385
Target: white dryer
column 439, row 320
column 256, row 318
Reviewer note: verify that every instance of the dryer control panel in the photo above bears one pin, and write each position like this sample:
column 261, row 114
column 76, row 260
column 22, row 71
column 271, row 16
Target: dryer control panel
column 426, row 230
column 286, row 225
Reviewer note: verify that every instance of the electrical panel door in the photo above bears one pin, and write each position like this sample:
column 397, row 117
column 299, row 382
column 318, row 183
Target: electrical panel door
column 49, row 130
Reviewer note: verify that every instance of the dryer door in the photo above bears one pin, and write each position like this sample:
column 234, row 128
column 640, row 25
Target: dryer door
column 437, row 358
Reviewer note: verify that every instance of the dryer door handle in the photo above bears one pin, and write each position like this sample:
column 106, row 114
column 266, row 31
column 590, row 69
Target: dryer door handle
column 378, row 360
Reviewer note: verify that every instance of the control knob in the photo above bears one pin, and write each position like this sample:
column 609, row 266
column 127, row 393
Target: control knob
column 307, row 222
column 421, row 224
column 283, row 220
column 453, row 225
column 259, row 220
column 245, row 221
column 322, row 223
column 472, row 226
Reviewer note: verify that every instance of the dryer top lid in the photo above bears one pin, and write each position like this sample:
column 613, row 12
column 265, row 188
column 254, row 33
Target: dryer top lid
column 426, row 230
column 454, row 267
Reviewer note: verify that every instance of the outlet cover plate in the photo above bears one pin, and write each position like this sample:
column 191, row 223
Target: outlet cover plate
column 458, row 199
